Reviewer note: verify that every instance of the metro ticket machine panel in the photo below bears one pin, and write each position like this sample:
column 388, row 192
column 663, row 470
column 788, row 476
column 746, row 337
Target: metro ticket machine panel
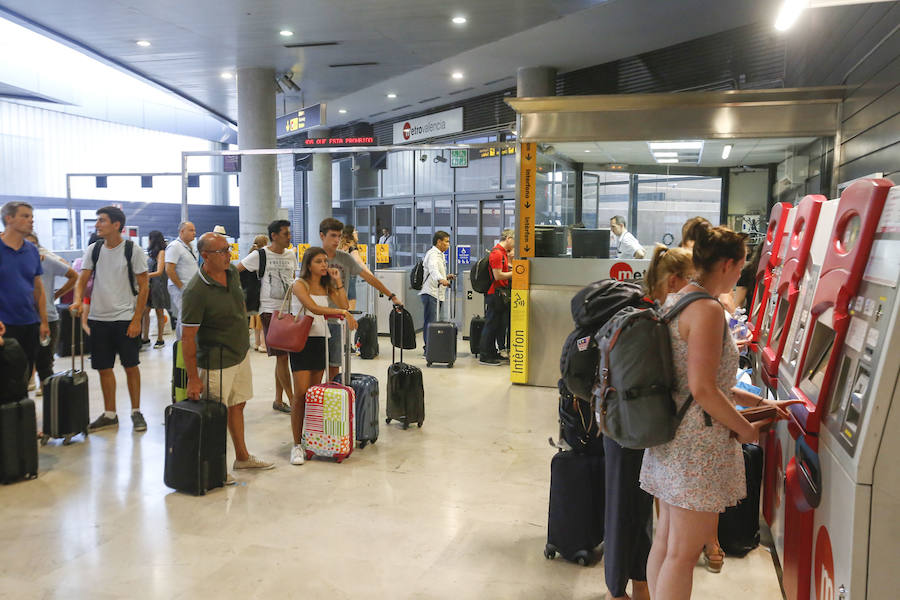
column 770, row 258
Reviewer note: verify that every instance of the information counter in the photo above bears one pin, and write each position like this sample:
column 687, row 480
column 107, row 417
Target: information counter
column 552, row 284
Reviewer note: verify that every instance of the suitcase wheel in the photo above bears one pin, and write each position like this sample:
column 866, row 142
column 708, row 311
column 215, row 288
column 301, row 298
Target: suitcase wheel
column 549, row 551
column 387, row 421
column 450, row 365
column 583, row 557
column 428, row 364
column 362, row 444
column 405, row 425
column 309, row 455
column 67, row 440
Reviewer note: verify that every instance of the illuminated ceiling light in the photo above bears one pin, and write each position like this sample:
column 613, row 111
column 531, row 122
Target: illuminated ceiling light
column 391, row 95
column 285, row 33
column 457, row 75
column 459, row 20
column 226, row 75
column 789, row 13
column 587, row 150
column 667, row 161
column 343, row 111
column 726, row 151
column 687, row 145
column 665, row 155
column 143, row 43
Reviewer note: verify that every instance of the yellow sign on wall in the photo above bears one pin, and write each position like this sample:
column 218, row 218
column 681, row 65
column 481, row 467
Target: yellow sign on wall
column 527, row 193
column 382, row 253
column 518, row 322
column 301, row 250
column 235, row 255
column 363, row 252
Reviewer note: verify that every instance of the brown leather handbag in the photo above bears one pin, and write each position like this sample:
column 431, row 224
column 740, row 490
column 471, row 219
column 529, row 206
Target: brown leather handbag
column 287, row 332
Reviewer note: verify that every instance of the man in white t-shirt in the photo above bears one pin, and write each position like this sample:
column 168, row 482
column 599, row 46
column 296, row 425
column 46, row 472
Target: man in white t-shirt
column 181, row 266
column 116, row 309
column 278, row 275
column 626, row 244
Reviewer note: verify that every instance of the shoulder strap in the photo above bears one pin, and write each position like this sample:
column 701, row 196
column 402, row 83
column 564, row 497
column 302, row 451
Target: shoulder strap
column 262, row 263
column 95, row 253
column 129, row 252
column 683, row 303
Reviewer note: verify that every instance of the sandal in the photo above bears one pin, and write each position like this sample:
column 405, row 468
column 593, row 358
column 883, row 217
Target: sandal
column 714, row 560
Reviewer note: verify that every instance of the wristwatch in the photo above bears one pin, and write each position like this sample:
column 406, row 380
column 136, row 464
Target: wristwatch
column 392, row 296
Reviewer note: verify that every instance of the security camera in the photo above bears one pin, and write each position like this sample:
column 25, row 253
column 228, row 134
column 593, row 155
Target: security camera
column 440, row 159
column 423, row 157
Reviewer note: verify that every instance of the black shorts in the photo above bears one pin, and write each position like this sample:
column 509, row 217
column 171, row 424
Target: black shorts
column 311, row 358
column 109, row 338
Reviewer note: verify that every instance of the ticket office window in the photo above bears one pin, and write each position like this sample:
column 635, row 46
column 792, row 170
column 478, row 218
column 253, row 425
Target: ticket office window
column 665, row 202
column 604, row 196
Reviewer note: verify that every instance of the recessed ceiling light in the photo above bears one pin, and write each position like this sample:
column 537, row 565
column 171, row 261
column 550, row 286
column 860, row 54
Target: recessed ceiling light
column 391, row 95
column 286, row 33
column 142, row 43
column 664, row 161
column 687, row 145
column 665, row 155
column 587, row 150
column 226, row 75
column 726, row 151
column 343, row 111
column 459, row 20
column 789, row 13
column 457, row 75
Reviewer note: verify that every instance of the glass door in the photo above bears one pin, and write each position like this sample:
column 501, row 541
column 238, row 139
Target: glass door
column 403, row 250
column 492, row 219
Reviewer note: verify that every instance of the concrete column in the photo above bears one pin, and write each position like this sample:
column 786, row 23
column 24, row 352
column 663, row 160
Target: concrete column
column 318, row 205
column 219, row 190
column 256, row 129
column 533, row 82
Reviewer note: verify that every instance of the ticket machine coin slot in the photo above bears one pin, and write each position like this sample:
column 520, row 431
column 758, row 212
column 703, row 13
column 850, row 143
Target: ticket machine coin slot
column 803, row 479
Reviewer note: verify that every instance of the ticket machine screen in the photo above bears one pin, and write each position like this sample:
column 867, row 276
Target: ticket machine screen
column 780, row 323
column 820, row 348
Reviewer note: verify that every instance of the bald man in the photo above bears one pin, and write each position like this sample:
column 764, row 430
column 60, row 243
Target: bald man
column 181, row 266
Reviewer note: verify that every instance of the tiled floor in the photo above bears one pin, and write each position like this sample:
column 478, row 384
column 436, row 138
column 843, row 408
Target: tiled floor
column 457, row 509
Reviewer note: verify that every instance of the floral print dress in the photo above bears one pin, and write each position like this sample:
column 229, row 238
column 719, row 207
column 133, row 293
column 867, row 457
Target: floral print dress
column 702, row 468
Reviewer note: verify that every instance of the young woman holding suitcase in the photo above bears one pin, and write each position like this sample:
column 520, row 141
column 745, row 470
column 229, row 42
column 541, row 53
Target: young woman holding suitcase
column 315, row 286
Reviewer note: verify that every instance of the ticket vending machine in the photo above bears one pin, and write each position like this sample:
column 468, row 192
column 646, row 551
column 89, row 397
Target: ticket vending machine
column 779, row 312
column 821, row 348
column 769, row 260
column 856, row 530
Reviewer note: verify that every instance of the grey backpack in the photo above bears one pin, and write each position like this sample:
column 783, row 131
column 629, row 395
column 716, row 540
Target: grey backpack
column 636, row 378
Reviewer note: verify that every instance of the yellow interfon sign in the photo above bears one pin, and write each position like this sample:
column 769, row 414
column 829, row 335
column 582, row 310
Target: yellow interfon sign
column 234, row 252
column 301, row 250
column 382, row 253
column 527, row 193
column 518, row 323
column 363, row 252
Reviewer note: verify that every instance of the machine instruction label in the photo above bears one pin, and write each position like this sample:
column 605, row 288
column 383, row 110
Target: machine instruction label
column 518, row 323
column 527, row 193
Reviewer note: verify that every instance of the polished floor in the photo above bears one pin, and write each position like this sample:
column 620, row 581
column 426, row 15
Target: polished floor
column 457, row 509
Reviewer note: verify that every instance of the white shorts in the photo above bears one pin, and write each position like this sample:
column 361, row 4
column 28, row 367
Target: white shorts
column 235, row 387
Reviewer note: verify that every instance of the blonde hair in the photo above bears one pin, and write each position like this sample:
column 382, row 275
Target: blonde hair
column 259, row 241
column 667, row 261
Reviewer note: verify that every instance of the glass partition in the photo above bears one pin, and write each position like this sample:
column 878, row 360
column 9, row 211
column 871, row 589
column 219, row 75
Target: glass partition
column 433, row 172
column 397, row 179
column 665, row 202
column 605, row 195
column 424, row 228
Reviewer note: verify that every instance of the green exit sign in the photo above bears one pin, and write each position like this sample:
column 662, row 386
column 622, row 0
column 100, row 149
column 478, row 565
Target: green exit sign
column 459, row 159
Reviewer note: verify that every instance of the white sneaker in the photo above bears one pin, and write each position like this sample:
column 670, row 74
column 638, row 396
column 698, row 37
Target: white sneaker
column 298, row 455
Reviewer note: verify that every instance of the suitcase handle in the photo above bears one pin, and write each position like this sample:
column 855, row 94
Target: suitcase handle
column 80, row 341
column 399, row 310
column 345, row 349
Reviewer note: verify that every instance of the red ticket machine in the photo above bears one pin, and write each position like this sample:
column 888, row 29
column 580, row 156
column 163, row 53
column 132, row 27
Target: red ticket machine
column 779, row 313
column 855, row 223
column 769, row 259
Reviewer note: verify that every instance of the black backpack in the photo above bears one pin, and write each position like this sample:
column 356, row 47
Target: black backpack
column 592, row 307
column 417, row 276
column 129, row 251
column 481, row 275
column 250, row 283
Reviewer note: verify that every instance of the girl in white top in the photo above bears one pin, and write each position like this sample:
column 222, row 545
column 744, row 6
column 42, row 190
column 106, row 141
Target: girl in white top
column 316, row 285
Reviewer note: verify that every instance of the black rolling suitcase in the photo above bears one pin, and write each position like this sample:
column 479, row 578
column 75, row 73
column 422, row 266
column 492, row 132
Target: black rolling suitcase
column 476, row 326
column 739, row 525
column 18, row 441
column 366, row 339
column 403, row 331
column 13, row 371
column 575, row 521
column 441, row 348
column 67, row 409
column 405, row 392
column 66, row 323
column 196, row 445
column 367, row 407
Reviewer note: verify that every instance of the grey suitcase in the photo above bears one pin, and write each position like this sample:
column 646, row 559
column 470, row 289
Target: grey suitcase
column 367, row 408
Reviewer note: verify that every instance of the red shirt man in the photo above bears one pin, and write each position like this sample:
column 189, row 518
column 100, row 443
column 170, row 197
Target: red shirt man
column 496, row 320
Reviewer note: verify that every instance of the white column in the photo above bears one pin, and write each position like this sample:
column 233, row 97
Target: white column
column 256, row 129
column 319, row 191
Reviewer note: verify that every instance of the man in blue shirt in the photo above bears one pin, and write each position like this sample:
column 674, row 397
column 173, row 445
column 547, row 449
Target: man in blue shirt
column 22, row 307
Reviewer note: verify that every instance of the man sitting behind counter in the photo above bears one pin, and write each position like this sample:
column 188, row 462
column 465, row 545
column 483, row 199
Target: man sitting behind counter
column 626, row 245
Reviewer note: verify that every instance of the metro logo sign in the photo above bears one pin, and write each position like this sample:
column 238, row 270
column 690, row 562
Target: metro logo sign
column 407, row 130
column 621, row 271
column 429, row 126
column 824, row 566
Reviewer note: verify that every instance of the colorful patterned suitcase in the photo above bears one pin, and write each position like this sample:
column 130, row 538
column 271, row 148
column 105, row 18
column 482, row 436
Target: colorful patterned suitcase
column 328, row 424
